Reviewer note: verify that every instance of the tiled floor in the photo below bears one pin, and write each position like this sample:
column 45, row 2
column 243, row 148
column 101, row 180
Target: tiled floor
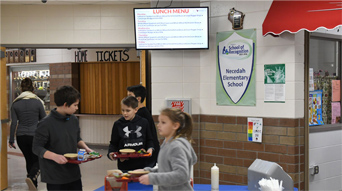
column 93, row 172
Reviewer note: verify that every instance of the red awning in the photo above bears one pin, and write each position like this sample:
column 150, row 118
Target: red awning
column 293, row 16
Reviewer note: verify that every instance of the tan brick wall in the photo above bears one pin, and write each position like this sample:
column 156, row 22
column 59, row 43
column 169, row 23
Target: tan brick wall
column 223, row 140
column 62, row 74
column 283, row 141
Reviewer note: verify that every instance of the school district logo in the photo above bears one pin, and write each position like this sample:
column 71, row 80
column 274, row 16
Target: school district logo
column 127, row 131
column 235, row 64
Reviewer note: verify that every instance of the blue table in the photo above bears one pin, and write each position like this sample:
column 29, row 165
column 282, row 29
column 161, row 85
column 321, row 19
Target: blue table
column 136, row 186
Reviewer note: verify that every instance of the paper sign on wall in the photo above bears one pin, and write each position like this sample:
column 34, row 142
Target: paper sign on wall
column 335, row 112
column 183, row 104
column 335, row 85
column 254, row 129
column 311, row 80
column 274, row 83
column 315, row 108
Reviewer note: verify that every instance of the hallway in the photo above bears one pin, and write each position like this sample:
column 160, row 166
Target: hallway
column 93, row 172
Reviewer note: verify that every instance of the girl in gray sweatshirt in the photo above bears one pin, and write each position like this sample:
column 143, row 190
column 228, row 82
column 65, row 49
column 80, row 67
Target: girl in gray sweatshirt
column 176, row 154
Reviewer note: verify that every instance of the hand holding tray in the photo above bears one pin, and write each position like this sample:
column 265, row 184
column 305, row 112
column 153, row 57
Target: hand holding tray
column 75, row 161
column 118, row 155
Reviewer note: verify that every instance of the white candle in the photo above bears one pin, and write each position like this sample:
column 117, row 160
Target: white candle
column 215, row 172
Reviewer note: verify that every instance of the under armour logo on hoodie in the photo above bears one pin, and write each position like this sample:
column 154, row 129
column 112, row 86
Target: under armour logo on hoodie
column 127, row 132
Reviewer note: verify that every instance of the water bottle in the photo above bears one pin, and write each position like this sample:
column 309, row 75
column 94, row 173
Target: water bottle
column 215, row 173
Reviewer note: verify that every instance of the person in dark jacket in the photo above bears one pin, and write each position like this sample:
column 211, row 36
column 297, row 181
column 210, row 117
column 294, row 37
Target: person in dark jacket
column 130, row 132
column 27, row 109
column 139, row 92
column 56, row 135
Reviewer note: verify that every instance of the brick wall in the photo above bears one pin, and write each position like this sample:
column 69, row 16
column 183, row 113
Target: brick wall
column 223, row 140
column 62, row 74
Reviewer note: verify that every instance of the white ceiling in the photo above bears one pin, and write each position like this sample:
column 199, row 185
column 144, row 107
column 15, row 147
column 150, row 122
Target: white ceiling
column 60, row 2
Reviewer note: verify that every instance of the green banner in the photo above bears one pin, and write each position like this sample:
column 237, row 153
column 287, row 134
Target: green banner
column 235, row 70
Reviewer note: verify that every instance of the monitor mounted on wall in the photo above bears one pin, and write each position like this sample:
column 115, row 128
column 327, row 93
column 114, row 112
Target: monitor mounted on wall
column 176, row 28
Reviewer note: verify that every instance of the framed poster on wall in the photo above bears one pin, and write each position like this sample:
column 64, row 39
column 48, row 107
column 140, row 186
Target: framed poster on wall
column 315, row 108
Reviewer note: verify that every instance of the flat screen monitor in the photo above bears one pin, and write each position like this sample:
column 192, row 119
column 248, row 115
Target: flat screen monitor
column 178, row 28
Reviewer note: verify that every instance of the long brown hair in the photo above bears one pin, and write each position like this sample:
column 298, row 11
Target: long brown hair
column 26, row 85
column 184, row 120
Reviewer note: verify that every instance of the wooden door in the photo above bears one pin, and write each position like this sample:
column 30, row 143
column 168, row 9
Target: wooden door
column 103, row 85
column 4, row 122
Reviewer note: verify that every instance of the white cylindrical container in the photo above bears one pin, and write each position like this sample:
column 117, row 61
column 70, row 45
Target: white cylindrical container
column 215, row 173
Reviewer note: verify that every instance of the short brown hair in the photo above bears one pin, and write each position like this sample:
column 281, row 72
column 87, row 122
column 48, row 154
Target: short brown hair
column 26, row 85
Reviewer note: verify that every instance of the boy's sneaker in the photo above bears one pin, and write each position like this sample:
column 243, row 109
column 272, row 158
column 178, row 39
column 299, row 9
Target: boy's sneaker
column 30, row 184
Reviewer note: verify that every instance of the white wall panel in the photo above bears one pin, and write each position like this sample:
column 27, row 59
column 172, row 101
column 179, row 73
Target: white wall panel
column 115, row 36
column 191, row 90
column 114, row 10
column 87, row 10
column 221, row 8
column 56, row 36
column 157, row 105
column 32, row 36
column 60, row 23
column 330, row 184
column 167, row 74
column 81, row 24
column 325, row 139
column 167, row 90
column 114, row 23
column 10, row 23
column 10, row 36
column 87, row 36
column 167, row 58
column 11, row 10
column 191, row 74
column 97, row 129
column 31, row 11
column 189, row 58
column 59, row 10
column 87, row 23
column 275, row 54
column 325, row 150
column 205, row 75
column 205, row 90
column 220, row 24
column 30, row 22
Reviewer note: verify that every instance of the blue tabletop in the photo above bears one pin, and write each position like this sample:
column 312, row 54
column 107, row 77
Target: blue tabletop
column 200, row 187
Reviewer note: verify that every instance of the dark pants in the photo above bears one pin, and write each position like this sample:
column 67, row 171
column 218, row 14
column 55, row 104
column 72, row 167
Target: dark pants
column 32, row 165
column 76, row 185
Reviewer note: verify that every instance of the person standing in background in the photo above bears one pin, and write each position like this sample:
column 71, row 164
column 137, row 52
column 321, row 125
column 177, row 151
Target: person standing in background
column 139, row 92
column 27, row 109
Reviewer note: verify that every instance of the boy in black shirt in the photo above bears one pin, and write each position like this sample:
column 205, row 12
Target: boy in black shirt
column 130, row 132
column 57, row 134
column 139, row 92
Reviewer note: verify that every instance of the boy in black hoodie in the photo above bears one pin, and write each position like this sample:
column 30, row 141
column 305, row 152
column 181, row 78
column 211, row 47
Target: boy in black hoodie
column 139, row 92
column 130, row 132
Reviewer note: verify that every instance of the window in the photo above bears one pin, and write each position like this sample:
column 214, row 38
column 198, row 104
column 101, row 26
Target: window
column 324, row 82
